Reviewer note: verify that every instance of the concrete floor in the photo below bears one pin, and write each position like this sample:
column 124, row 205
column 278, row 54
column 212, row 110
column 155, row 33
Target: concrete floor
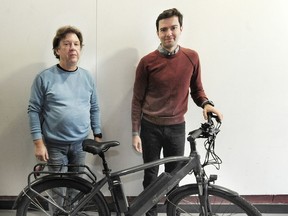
column 12, row 213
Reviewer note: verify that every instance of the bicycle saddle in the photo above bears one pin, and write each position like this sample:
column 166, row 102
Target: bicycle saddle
column 94, row 147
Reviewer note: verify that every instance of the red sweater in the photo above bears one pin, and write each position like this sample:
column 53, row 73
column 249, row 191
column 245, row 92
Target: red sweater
column 161, row 87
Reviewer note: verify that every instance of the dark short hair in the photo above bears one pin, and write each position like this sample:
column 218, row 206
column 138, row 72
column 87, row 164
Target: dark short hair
column 167, row 14
column 61, row 33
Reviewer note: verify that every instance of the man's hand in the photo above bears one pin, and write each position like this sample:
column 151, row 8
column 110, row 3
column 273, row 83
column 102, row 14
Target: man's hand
column 98, row 139
column 137, row 144
column 41, row 152
column 208, row 108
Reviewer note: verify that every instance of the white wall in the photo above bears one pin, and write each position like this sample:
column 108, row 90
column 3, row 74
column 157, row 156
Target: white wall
column 243, row 50
column 27, row 31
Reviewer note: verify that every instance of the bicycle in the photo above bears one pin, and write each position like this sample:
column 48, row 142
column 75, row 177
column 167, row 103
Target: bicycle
column 202, row 198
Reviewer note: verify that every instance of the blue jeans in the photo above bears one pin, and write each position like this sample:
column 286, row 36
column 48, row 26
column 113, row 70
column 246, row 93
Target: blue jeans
column 66, row 154
column 170, row 138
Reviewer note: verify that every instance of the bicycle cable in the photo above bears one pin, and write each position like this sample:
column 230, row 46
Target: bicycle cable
column 211, row 158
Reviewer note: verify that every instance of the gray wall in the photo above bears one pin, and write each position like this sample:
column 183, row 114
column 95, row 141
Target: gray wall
column 243, row 52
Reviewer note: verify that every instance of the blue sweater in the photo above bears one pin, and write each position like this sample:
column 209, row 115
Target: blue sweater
column 63, row 106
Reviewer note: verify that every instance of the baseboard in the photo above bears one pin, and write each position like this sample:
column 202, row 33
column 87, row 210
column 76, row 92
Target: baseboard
column 6, row 202
column 269, row 203
column 265, row 203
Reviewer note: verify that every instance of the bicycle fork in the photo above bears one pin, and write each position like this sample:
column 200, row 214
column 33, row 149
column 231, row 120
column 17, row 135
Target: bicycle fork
column 203, row 184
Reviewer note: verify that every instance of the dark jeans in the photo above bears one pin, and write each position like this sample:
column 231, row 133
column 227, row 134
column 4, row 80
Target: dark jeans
column 170, row 138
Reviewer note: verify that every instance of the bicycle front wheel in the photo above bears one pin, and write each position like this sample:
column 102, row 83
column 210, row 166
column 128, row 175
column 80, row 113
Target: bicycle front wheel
column 184, row 201
column 59, row 196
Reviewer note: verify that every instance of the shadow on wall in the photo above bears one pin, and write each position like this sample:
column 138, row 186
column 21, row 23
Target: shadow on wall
column 16, row 145
column 115, row 80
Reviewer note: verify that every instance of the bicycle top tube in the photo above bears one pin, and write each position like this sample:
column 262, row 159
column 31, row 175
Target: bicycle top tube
column 151, row 164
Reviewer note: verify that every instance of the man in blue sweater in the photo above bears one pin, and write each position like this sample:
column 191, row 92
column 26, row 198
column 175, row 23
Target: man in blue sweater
column 63, row 105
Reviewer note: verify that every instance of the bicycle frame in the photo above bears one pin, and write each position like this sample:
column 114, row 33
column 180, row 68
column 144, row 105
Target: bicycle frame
column 149, row 197
column 144, row 201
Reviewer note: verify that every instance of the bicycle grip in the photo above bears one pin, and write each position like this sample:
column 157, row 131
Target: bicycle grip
column 212, row 115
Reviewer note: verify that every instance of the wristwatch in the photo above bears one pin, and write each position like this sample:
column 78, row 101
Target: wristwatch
column 207, row 102
column 98, row 135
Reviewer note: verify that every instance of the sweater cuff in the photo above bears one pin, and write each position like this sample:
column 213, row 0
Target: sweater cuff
column 207, row 102
column 36, row 136
column 135, row 134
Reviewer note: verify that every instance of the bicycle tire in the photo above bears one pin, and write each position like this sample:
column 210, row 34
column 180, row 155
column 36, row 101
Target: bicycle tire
column 32, row 204
column 184, row 201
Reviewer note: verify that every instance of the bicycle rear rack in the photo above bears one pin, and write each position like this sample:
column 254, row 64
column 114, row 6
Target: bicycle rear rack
column 41, row 170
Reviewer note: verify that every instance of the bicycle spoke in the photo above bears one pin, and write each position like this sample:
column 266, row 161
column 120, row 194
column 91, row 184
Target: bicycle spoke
column 59, row 198
column 186, row 202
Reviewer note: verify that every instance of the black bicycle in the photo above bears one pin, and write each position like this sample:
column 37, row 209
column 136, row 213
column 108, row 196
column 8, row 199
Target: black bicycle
column 79, row 193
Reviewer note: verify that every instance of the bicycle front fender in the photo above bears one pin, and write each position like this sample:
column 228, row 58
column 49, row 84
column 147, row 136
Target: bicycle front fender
column 44, row 180
column 228, row 191
column 195, row 187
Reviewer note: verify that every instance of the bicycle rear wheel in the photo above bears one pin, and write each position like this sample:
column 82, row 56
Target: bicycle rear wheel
column 58, row 196
column 184, row 201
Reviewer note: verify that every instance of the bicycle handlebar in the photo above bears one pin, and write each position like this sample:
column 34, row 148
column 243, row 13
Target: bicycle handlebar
column 208, row 130
column 195, row 134
column 211, row 116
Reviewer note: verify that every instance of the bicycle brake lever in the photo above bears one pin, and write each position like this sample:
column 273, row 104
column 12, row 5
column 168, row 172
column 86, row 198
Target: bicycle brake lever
column 212, row 115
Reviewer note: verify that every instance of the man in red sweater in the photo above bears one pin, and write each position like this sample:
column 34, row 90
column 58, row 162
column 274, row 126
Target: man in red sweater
column 160, row 96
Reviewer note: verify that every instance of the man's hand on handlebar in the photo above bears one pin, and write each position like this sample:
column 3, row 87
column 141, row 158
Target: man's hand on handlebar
column 208, row 108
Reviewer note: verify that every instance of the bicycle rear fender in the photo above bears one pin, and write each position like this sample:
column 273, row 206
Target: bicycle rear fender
column 44, row 180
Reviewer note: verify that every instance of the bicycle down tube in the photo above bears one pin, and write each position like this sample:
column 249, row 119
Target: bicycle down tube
column 151, row 195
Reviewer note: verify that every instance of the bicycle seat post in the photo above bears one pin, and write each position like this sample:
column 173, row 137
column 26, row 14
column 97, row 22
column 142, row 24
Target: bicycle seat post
column 106, row 171
column 115, row 186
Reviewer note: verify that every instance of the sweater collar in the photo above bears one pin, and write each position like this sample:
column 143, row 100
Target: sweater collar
column 58, row 65
column 166, row 52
